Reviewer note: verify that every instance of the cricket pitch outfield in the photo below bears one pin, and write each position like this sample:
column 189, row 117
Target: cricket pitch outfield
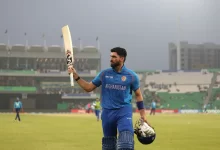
column 83, row 132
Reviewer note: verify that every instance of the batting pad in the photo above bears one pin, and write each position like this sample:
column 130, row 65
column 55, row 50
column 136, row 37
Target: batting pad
column 109, row 143
column 125, row 141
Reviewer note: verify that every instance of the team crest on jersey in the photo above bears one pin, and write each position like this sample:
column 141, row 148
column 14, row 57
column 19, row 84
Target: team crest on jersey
column 123, row 78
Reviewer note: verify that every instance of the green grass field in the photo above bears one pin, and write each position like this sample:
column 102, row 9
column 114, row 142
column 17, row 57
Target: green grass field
column 83, row 132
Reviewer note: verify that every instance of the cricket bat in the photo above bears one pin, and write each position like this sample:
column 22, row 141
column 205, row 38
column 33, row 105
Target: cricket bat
column 68, row 49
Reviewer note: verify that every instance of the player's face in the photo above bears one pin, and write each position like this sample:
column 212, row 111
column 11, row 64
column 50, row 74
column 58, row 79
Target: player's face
column 115, row 60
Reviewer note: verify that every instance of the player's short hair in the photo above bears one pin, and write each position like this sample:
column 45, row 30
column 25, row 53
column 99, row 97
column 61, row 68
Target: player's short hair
column 120, row 51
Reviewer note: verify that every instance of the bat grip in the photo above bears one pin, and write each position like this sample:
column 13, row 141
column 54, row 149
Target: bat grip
column 71, row 79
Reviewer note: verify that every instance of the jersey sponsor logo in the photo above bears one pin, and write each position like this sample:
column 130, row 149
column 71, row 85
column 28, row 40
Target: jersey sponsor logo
column 115, row 87
column 111, row 77
column 123, row 78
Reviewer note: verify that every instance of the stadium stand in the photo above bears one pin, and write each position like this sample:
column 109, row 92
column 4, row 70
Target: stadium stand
column 3, row 47
column 17, row 72
column 36, row 48
column 16, row 89
column 89, row 49
column 192, row 100
column 54, row 49
column 180, row 78
column 180, row 90
column 43, row 72
column 18, row 48
column 21, row 63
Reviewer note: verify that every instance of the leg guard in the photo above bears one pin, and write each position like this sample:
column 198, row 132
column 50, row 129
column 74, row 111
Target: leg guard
column 125, row 141
column 109, row 143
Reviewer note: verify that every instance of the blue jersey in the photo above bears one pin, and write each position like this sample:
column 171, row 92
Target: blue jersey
column 153, row 105
column 17, row 104
column 117, row 87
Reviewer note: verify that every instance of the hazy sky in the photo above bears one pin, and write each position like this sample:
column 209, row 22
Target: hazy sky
column 143, row 27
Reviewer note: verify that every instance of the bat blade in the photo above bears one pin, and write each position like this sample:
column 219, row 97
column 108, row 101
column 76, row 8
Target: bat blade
column 68, row 49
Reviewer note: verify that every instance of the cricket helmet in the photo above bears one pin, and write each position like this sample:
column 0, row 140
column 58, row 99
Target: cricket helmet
column 145, row 133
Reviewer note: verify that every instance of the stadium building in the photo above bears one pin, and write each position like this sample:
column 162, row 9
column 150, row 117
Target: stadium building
column 38, row 75
column 187, row 56
column 181, row 90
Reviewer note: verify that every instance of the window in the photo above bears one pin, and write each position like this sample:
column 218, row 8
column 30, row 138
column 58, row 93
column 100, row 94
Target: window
column 182, row 55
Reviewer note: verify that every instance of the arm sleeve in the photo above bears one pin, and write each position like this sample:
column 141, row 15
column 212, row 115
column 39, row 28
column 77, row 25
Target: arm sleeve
column 135, row 82
column 14, row 104
column 21, row 104
column 97, row 81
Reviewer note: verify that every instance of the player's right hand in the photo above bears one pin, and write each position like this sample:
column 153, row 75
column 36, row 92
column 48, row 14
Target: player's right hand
column 71, row 70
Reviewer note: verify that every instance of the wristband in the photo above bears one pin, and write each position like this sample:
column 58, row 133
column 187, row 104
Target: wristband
column 77, row 78
column 140, row 105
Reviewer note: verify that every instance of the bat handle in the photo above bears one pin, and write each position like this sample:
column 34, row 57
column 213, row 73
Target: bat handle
column 71, row 79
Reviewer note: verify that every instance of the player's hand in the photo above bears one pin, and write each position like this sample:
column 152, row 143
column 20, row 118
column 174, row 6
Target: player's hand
column 137, row 132
column 71, row 70
column 145, row 120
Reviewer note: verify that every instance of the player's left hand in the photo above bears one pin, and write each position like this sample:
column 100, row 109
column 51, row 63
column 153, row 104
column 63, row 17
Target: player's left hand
column 145, row 120
column 143, row 129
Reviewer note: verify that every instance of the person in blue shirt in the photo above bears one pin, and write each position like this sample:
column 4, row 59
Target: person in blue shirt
column 117, row 82
column 153, row 108
column 17, row 108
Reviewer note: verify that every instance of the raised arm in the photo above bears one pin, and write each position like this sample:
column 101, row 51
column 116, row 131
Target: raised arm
column 87, row 86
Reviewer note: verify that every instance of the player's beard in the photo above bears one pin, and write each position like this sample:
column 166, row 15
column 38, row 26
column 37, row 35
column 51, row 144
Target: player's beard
column 114, row 65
